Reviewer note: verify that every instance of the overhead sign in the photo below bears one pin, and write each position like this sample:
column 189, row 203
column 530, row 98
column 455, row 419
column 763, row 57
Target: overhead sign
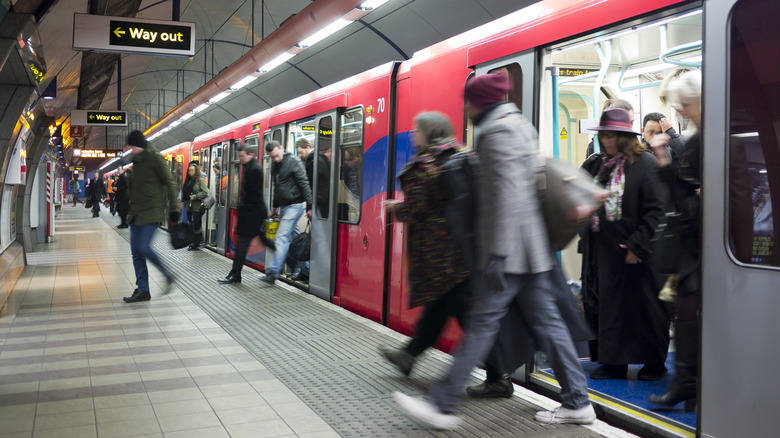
column 104, row 33
column 76, row 131
column 98, row 118
column 97, row 153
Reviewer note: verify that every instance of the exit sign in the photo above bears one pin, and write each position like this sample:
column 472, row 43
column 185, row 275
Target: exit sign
column 98, row 118
column 104, row 33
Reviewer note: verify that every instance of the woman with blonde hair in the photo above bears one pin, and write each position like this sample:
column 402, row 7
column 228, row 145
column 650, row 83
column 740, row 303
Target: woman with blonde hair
column 193, row 192
column 631, row 323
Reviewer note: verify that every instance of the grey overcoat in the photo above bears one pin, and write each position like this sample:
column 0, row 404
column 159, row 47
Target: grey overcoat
column 510, row 222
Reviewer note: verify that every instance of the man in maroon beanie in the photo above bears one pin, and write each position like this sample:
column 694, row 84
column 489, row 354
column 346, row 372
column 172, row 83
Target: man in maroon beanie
column 515, row 262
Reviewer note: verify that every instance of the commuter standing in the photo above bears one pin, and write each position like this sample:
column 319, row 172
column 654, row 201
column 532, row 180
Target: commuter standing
column 75, row 188
column 97, row 193
column 111, row 189
column 252, row 211
column 193, row 192
column 122, row 195
column 290, row 197
column 151, row 183
column 515, row 263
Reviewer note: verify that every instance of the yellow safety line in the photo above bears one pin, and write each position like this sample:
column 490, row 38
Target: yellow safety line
column 626, row 409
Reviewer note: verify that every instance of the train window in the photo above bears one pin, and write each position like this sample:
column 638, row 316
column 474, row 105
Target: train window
column 235, row 169
column 351, row 166
column 277, row 135
column 301, row 129
column 516, row 95
column 324, row 153
column 754, row 150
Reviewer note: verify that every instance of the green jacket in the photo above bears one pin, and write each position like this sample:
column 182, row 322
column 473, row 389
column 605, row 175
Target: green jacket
column 151, row 185
column 199, row 191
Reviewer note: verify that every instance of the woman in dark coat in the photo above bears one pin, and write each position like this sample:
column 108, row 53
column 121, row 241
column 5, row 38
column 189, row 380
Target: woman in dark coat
column 438, row 277
column 193, row 192
column 631, row 323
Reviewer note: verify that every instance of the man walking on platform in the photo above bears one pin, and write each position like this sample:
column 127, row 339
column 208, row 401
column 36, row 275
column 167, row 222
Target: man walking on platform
column 252, row 211
column 147, row 211
column 291, row 195
column 515, row 263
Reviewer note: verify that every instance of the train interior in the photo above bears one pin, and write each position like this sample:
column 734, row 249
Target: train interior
column 628, row 62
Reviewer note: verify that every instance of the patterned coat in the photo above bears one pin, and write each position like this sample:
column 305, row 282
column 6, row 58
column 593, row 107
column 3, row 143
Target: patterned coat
column 435, row 261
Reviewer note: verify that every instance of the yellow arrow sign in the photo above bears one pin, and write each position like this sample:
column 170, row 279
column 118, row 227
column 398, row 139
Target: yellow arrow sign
column 119, row 32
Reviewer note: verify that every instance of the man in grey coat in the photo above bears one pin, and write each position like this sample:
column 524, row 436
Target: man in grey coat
column 515, row 262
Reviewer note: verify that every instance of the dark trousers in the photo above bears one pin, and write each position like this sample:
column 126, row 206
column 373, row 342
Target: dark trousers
column 537, row 300
column 95, row 205
column 435, row 315
column 242, row 245
column 123, row 207
column 195, row 217
column 112, row 202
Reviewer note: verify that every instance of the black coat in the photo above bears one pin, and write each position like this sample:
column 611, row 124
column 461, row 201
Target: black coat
column 97, row 190
column 252, row 211
column 122, row 188
column 291, row 186
column 621, row 300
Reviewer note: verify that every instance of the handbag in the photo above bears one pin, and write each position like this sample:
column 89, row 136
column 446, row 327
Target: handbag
column 300, row 246
column 88, row 204
column 567, row 197
column 666, row 244
column 208, row 201
column 181, row 235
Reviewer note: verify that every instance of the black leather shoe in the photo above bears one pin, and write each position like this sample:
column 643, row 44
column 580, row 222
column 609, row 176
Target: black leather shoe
column 300, row 277
column 652, row 372
column 609, row 372
column 496, row 389
column 230, row 279
column 138, row 296
column 401, row 359
column 122, row 226
column 193, row 247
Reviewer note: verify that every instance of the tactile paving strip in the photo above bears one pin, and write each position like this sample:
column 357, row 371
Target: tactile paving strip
column 331, row 361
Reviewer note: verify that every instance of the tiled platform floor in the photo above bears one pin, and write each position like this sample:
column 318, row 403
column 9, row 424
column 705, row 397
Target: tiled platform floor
column 206, row 360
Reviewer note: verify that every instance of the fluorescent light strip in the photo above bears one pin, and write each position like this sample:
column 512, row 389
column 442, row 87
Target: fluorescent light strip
column 219, row 97
column 370, row 5
column 200, row 107
column 187, row 116
column 324, row 33
column 175, row 124
column 243, row 82
column 276, row 62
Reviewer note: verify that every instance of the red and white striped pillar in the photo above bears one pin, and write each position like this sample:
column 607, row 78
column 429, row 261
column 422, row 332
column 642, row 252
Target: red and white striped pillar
column 50, row 193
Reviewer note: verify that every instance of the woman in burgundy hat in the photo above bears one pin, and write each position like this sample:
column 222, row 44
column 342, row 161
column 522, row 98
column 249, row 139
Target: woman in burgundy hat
column 620, row 291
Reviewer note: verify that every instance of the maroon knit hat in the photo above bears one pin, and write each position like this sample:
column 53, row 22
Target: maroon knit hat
column 483, row 90
column 615, row 119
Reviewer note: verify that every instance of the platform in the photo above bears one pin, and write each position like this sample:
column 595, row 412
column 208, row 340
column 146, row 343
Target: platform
column 207, row 360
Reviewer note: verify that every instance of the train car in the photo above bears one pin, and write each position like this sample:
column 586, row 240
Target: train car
column 178, row 157
column 567, row 57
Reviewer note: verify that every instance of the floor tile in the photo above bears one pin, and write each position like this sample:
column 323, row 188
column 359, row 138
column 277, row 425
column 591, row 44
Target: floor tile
column 87, row 431
column 181, row 407
column 259, row 429
column 140, row 413
column 189, row 421
column 64, row 419
column 247, row 415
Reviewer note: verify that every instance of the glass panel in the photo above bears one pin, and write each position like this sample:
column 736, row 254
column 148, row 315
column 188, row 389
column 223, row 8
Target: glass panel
column 516, row 95
column 324, row 151
column 351, row 162
column 223, row 176
column 298, row 130
column 235, row 169
column 754, row 170
column 277, row 135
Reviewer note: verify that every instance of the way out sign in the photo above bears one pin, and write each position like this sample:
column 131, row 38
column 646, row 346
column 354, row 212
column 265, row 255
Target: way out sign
column 98, row 118
column 129, row 35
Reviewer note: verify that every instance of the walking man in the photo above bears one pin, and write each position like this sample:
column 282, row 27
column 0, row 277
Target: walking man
column 514, row 262
column 252, row 211
column 147, row 211
column 291, row 196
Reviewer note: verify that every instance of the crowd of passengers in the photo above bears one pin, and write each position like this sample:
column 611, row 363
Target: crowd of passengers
column 513, row 299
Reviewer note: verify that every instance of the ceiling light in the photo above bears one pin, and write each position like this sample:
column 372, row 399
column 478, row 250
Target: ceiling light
column 324, row 33
column 276, row 62
column 370, row 5
column 219, row 97
column 200, row 107
column 187, row 116
column 174, row 124
column 243, row 82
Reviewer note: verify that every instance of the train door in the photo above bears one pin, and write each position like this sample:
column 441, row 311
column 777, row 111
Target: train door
column 741, row 256
column 323, row 221
column 276, row 134
column 216, row 221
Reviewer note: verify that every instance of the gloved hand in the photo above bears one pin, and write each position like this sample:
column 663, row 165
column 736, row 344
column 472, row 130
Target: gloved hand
column 174, row 217
column 493, row 280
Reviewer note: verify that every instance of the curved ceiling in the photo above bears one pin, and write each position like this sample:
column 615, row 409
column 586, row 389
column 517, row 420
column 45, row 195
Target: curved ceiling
column 153, row 85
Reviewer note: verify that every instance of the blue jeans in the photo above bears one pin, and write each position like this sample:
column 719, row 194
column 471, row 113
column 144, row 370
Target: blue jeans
column 288, row 219
column 141, row 248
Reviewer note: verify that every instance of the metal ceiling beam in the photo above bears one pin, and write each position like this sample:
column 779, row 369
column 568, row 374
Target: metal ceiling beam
column 311, row 19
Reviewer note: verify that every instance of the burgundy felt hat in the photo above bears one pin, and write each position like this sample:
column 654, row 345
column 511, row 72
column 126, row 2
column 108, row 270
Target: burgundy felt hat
column 483, row 90
column 615, row 119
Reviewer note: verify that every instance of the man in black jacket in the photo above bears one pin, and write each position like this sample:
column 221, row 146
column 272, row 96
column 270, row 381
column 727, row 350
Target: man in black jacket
column 291, row 196
column 252, row 211
column 97, row 192
column 122, row 196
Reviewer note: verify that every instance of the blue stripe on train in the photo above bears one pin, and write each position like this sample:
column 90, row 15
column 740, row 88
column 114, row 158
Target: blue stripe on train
column 375, row 164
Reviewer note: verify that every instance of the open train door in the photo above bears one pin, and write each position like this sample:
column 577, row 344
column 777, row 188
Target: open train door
column 323, row 218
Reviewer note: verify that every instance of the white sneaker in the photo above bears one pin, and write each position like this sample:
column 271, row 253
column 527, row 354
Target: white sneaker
column 426, row 412
column 560, row 414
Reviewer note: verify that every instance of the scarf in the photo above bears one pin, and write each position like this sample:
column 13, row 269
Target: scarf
column 612, row 175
